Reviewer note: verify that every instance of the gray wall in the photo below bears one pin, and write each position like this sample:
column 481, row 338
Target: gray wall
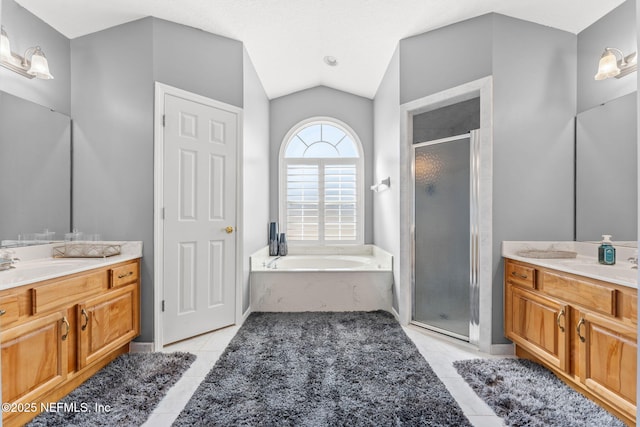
column 197, row 61
column 255, row 194
column 534, row 104
column 616, row 29
column 112, row 109
column 355, row 111
column 445, row 58
column 25, row 30
column 386, row 163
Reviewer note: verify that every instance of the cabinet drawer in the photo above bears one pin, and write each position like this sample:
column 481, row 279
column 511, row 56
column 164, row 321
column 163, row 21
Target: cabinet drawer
column 10, row 310
column 125, row 274
column 61, row 293
column 520, row 275
column 587, row 294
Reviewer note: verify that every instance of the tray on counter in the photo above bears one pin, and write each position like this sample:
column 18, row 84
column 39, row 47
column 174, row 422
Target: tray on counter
column 547, row 254
column 86, row 250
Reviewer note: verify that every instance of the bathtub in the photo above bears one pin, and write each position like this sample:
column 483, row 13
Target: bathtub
column 329, row 278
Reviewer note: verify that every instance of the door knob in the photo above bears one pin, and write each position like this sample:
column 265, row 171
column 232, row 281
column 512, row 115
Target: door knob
column 229, row 229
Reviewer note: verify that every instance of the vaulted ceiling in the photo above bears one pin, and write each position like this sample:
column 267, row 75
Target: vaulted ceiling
column 288, row 39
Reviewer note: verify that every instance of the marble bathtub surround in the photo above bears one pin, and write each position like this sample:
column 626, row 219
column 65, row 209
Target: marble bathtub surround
column 326, row 278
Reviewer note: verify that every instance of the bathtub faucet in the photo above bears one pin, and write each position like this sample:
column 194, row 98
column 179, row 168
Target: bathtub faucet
column 272, row 261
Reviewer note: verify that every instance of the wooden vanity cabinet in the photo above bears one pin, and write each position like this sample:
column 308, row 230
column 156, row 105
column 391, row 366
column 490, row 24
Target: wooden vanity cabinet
column 539, row 323
column 105, row 323
column 34, row 358
column 607, row 352
column 582, row 329
column 62, row 331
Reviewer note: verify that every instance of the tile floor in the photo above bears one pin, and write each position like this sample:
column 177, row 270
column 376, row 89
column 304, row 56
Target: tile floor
column 438, row 350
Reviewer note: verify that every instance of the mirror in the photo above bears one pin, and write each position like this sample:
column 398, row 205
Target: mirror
column 35, row 172
column 606, row 171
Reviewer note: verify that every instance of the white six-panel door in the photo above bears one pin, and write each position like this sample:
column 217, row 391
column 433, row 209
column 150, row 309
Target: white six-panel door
column 199, row 193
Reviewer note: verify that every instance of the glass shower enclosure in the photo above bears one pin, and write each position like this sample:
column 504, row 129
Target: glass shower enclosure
column 445, row 236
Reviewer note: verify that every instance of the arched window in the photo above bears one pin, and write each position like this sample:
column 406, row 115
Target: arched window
column 321, row 183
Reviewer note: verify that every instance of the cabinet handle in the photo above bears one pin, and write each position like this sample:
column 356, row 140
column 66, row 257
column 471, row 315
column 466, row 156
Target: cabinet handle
column 65, row 322
column 3, row 312
column 86, row 319
column 558, row 320
column 123, row 275
column 580, row 323
column 522, row 276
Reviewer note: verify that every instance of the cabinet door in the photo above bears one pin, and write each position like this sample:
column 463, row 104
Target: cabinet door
column 538, row 325
column 34, row 358
column 106, row 323
column 608, row 353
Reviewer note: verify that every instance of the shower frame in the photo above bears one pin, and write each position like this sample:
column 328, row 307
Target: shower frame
column 481, row 88
column 473, row 336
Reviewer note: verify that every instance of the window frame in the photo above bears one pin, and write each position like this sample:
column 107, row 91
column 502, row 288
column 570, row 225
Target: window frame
column 283, row 162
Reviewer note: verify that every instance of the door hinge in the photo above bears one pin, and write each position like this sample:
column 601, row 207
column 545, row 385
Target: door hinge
column 164, row 120
column 162, row 213
column 163, row 306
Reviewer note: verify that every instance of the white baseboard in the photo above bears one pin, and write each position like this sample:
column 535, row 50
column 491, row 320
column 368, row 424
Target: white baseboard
column 502, row 349
column 141, row 347
column 245, row 315
column 396, row 315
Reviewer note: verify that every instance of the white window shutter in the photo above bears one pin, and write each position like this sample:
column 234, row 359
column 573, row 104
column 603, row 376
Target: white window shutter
column 303, row 202
column 340, row 202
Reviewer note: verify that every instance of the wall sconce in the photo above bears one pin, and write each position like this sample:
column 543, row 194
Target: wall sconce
column 33, row 64
column 382, row 185
column 610, row 66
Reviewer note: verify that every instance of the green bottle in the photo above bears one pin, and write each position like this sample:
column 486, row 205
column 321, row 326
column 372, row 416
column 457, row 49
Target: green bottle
column 606, row 251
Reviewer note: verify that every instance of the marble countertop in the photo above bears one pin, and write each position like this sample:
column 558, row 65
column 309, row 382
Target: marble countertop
column 584, row 264
column 36, row 263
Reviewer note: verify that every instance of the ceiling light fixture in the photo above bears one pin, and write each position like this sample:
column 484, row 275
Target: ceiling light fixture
column 330, row 60
column 611, row 66
column 32, row 64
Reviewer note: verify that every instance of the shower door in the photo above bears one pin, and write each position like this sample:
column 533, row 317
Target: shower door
column 445, row 236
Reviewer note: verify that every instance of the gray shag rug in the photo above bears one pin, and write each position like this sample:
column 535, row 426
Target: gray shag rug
column 525, row 393
column 321, row 369
column 132, row 385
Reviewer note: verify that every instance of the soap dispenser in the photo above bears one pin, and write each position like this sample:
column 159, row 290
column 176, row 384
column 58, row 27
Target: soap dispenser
column 606, row 251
